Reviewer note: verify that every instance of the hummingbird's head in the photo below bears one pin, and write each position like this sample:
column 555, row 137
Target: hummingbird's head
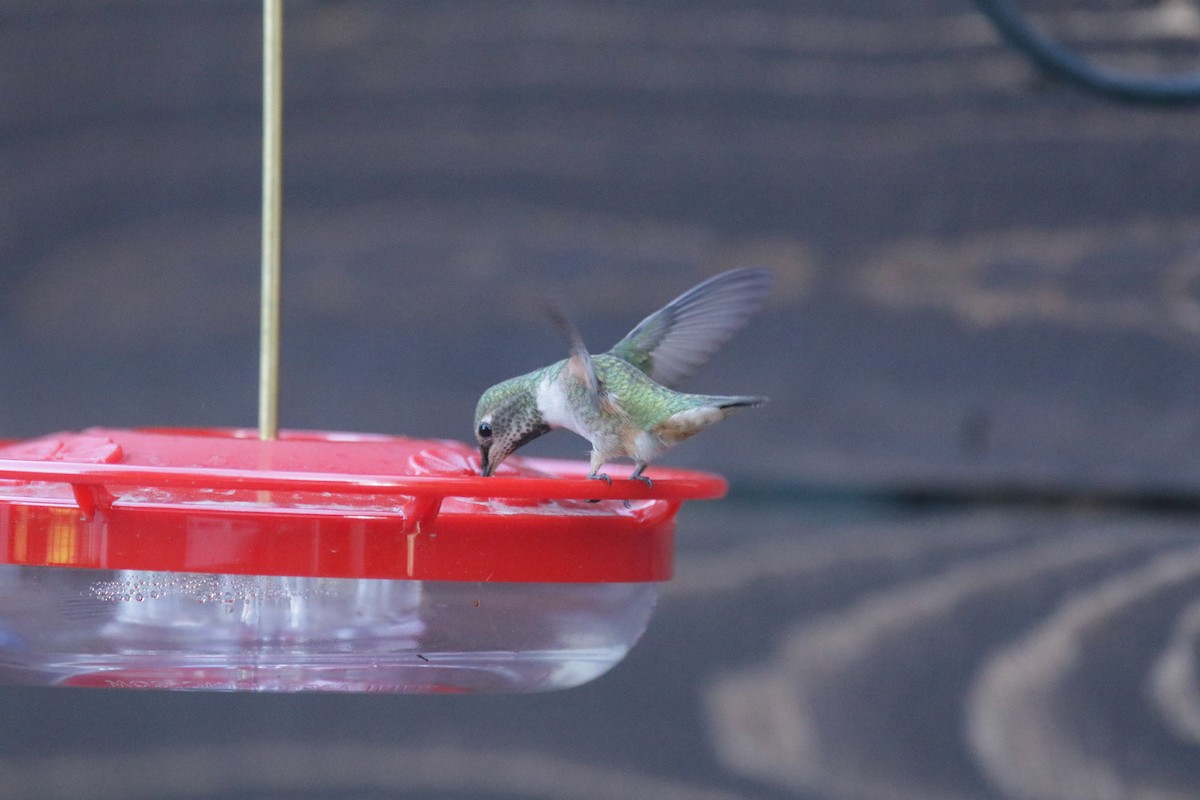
column 506, row 418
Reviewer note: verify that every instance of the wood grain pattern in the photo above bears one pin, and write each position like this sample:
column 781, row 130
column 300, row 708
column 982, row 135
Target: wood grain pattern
column 984, row 280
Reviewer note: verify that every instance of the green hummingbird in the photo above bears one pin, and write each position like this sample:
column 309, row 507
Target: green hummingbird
column 622, row 401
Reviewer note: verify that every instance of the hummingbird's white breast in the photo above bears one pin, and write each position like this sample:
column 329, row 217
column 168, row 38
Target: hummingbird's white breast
column 554, row 405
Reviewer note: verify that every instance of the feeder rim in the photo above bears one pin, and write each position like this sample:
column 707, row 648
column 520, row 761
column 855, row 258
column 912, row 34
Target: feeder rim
column 669, row 484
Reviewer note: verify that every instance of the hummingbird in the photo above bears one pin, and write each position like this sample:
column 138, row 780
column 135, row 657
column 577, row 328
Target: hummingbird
column 624, row 401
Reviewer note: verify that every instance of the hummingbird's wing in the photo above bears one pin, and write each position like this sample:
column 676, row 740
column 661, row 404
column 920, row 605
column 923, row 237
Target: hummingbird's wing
column 673, row 342
column 580, row 365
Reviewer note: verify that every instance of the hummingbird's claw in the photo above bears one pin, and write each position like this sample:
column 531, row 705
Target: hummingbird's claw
column 599, row 476
column 637, row 475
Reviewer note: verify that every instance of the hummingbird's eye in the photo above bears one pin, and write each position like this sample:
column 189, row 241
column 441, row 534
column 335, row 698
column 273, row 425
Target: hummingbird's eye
column 485, row 431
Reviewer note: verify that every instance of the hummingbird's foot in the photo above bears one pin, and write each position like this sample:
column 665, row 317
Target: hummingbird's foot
column 599, row 476
column 638, row 476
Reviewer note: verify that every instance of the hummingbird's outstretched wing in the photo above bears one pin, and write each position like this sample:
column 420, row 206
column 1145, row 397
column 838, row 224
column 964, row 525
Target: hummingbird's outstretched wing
column 673, row 342
column 580, row 363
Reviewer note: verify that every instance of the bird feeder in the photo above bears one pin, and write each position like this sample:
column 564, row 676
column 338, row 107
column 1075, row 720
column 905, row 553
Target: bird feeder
column 212, row 559
column 268, row 560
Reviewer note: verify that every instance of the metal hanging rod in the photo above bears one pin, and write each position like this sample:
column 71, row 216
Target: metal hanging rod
column 272, row 191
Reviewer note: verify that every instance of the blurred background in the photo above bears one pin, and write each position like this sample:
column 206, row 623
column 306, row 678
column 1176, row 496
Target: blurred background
column 959, row 558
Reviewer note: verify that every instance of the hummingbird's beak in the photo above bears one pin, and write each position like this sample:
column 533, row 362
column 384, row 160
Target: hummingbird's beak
column 483, row 457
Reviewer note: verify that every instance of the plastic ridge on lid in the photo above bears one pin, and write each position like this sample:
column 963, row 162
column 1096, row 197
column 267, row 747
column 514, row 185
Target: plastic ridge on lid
column 322, row 504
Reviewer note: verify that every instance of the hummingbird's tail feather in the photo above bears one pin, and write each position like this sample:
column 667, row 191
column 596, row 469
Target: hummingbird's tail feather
column 740, row 401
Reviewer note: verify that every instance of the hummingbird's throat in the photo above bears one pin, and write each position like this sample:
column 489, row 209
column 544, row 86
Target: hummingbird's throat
column 491, row 455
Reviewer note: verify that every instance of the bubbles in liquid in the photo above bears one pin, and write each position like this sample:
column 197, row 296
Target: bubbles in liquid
column 224, row 589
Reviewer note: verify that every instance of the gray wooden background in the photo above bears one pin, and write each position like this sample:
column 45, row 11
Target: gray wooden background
column 985, row 281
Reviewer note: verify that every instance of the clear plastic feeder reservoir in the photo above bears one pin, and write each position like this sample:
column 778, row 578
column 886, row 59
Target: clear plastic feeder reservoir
column 209, row 559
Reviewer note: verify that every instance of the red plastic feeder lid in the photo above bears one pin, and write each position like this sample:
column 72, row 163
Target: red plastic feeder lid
column 319, row 504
